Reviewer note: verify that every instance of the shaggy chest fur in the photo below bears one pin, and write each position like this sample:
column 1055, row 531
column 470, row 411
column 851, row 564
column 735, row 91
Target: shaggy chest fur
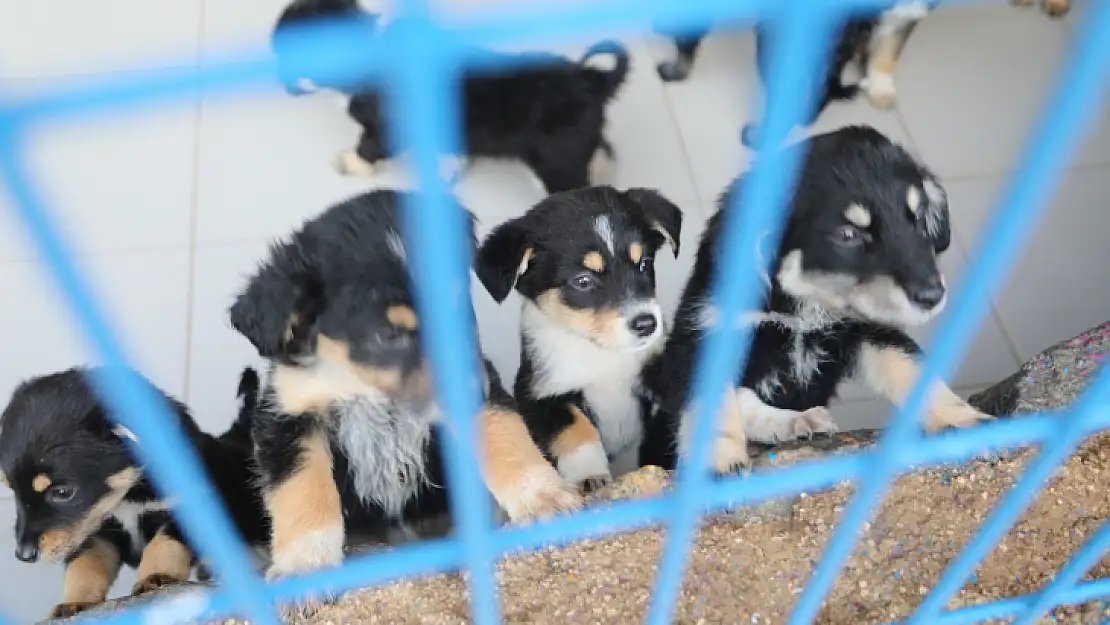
column 607, row 379
column 386, row 446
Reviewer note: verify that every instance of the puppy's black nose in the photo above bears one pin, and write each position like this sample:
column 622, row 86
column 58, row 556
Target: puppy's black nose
column 27, row 553
column 643, row 325
column 927, row 296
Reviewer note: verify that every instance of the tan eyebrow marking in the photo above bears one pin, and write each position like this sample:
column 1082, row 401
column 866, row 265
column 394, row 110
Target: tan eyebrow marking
column 593, row 261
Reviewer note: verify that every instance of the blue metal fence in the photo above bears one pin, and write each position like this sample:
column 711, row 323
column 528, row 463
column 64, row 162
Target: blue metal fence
column 425, row 58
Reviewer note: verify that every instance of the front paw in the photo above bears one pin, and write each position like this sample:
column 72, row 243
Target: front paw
column 590, row 484
column 881, row 91
column 349, row 163
column 71, row 609
column 813, row 421
column 305, row 606
column 730, row 455
column 1057, row 8
column 312, row 551
column 153, row 582
column 955, row 415
column 541, row 494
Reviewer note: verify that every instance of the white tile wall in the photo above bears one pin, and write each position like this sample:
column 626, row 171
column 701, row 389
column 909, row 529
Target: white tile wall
column 170, row 208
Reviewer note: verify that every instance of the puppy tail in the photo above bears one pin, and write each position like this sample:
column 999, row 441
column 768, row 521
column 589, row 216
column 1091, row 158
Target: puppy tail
column 249, row 387
column 611, row 80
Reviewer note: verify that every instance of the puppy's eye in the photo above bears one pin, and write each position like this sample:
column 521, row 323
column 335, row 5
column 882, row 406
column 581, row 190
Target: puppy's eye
column 60, row 493
column 645, row 264
column 848, row 236
column 584, row 282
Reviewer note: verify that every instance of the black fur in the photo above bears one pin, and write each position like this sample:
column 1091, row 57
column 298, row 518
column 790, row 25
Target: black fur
column 548, row 111
column 554, row 238
column 852, row 165
column 56, row 426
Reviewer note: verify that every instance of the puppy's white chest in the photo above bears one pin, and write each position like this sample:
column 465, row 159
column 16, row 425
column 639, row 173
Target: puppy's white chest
column 386, row 447
column 129, row 515
column 617, row 412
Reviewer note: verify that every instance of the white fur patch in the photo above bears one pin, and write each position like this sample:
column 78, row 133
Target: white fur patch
column 314, row 550
column 123, row 432
column 767, row 424
column 858, row 215
column 937, row 197
column 913, row 199
column 604, row 229
column 879, row 84
column 129, row 513
column 396, row 245
column 386, row 444
column 587, row 461
column 899, row 16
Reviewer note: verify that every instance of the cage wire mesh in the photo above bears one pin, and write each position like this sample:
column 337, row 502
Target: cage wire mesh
column 425, row 56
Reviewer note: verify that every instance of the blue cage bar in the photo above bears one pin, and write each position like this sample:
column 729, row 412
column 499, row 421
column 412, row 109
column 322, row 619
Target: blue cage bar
column 426, row 56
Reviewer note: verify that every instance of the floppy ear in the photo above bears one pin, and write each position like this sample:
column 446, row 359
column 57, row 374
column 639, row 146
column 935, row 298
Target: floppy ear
column 936, row 214
column 503, row 258
column 664, row 217
column 278, row 308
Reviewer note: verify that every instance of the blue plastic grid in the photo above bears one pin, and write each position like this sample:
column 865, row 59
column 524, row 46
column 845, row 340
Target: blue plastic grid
column 426, row 57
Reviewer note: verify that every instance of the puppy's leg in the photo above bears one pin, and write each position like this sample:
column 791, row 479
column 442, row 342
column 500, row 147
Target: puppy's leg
column 1057, row 8
column 602, row 164
column 767, row 424
column 522, row 481
column 360, row 161
column 730, row 446
column 892, row 371
column 558, row 173
column 165, row 561
column 89, row 575
column 886, row 46
column 686, row 49
column 304, row 505
column 579, row 454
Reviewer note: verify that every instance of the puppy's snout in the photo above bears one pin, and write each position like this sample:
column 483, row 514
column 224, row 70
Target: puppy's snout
column 27, row 552
column 928, row 294
column 643, row 325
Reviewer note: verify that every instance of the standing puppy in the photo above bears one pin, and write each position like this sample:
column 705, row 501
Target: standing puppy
column 857, row 264
column 584, row 263
column 870, row 46
column 547, row 111
column 82, row 498
column 347, row 434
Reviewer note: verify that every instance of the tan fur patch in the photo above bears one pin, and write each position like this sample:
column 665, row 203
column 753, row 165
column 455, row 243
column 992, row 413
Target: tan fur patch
column 402, row 317
column 41, row 483
column 635, row 252
column 858, row 216
column 593, row 261
column 524, row 260
column 885, row 51
column 89, row 575
column 165, row 556
column 601, row 323
column 580, row 432
column 55, row 544
column 308, row 500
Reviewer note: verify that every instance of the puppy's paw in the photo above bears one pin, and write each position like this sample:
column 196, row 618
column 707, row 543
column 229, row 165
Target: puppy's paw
column 541, row 493
column 153, row 582
column 349, row 163
column 813, row 421
column 305, row 606
column 673, row 71
column 71, row 609
column 730, row 455
column 954, row 415
column 319, row 549
column 590, row 484
column 881, row 91
column 1057, row 8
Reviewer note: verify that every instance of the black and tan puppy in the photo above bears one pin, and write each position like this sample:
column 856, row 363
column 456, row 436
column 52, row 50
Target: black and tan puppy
column 584, row 263
column 857, row 264
column 547, row 111
column 82, row 498
column 347, row 441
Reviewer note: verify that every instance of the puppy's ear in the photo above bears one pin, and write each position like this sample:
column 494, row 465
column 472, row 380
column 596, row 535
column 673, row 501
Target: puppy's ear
column 936, row 214
column 277, row 310
column 503, row 258
column 664, row 217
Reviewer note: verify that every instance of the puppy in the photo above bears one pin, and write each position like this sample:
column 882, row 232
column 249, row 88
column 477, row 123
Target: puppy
column 584, row 262
column 1053, row 8
column 857, row 264
column 871, row 46
column 82, row 497
column 548, row 111
column 347, row 436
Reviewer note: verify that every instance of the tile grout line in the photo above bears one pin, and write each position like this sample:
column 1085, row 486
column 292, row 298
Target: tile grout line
column 194, row 210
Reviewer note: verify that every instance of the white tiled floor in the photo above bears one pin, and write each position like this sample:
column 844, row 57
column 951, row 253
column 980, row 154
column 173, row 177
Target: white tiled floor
column 171, row 208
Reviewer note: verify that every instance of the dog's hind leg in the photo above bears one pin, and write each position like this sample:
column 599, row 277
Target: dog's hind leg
column 603, row 163
column 886, row 45
column 686, row 50
column 767, row 424
column 561, row 174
